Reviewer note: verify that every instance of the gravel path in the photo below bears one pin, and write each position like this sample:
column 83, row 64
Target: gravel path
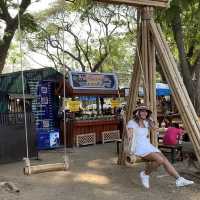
column 93, row 175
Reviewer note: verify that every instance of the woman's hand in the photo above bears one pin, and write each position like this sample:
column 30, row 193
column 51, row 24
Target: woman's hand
column 156, row 129
column 129, row 134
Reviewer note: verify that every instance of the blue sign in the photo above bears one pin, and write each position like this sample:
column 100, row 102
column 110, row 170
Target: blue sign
column 87, row 98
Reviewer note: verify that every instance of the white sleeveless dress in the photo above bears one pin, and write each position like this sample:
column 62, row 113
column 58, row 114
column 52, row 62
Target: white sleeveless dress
column 141, row 145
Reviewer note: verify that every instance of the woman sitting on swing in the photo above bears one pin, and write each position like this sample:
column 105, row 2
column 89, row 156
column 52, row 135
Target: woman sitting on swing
column 141, row 146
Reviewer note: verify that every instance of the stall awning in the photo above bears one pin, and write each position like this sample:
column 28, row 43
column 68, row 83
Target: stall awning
column 12, row 82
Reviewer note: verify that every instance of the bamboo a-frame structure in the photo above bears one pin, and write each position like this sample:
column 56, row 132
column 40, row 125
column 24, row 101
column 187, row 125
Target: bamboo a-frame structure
column 151, row 44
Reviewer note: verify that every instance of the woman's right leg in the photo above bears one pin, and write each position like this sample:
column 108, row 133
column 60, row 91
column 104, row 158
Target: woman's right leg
column 170, row 168
column 158, row 159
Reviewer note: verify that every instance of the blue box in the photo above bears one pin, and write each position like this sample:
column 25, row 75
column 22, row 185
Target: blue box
column 48, row 139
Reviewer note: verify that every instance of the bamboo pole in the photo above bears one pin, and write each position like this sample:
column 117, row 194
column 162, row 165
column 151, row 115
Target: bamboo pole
column 178, row 88
column 181, row 85
column 174, row 80
column 144, row 53
column 152, row 86
column 180, row 79
column 177, row 100
column 148, row 65
column 192, row 114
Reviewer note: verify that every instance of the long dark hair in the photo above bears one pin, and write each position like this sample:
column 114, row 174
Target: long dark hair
column 136, row 118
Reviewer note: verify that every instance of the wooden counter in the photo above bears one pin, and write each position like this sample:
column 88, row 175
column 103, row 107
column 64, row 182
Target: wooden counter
column 76, row 127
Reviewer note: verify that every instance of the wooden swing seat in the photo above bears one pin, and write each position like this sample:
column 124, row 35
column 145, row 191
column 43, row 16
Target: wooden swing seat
column 35, row 169
column 131, row 159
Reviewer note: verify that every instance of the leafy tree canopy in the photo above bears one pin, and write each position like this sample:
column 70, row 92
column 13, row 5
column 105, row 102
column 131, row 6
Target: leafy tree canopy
column 92, row 36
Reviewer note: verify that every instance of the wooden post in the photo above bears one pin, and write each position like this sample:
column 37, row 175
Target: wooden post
column 152, row 86
column 144, row 53
column 149, row 66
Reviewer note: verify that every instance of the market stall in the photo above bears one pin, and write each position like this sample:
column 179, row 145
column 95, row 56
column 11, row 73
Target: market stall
column 166, row 109
column 92, row 108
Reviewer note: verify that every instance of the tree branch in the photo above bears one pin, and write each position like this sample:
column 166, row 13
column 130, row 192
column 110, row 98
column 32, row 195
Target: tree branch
column 4, row 14
column 99, row 63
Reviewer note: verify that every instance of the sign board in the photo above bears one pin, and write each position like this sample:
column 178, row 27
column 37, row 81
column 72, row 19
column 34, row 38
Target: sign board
column 94, row 81
column 156, row 3
column 115, row 103
column 73, row 106
column 126, row 92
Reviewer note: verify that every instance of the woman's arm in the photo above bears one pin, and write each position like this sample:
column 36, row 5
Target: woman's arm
column 153, row 126
column 129, row 134
column 130, row 129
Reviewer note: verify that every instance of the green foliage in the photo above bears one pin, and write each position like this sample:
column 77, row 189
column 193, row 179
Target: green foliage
column 81, row 4
column 121, row 59
column 88, row 35
column 28, row 23
column 121, row 56
column 190, row 18
column 13, row 55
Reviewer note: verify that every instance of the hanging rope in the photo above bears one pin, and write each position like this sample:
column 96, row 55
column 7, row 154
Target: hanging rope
column 66, row 158
column 27, row 160
column 141, row 68
column 37, row 168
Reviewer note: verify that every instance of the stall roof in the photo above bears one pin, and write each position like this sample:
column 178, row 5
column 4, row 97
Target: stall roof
column 11, row 83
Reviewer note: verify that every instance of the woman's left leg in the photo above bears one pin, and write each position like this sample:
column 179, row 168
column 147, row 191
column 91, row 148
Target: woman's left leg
column 169, row 167
column 159, row 159
column 151, row 166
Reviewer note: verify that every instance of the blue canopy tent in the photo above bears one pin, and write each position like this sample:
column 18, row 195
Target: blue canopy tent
column 162, row 89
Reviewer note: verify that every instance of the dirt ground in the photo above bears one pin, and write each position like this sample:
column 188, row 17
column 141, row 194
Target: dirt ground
column 93, row 175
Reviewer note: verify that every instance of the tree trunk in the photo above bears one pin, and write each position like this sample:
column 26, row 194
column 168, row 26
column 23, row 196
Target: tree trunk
column 196, row 95
column 196, row 100
column 3, row 55
column 184, row 64
column 5, row 43
column 11, row 27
